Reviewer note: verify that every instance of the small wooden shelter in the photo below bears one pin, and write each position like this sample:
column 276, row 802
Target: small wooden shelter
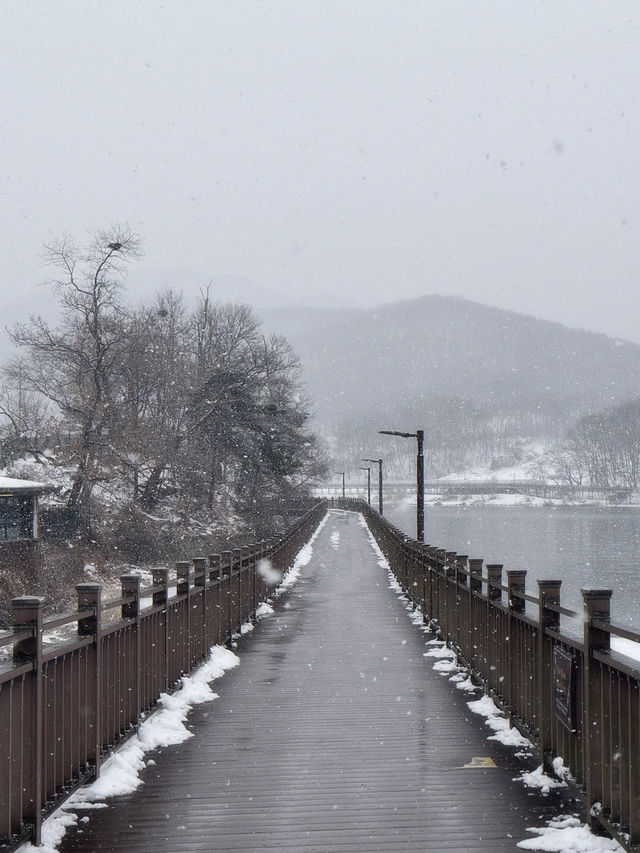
column 19, row 522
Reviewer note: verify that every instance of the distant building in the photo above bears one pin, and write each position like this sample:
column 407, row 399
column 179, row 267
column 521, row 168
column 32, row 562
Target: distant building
column 19, row 523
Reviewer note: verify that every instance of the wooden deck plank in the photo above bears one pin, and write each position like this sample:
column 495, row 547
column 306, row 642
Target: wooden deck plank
column 334, row 734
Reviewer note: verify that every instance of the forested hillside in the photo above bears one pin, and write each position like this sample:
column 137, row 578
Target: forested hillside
column 479, row 379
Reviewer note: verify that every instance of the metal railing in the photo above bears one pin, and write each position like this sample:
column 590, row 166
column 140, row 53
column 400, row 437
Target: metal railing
column 64, row 706
column 572, row 695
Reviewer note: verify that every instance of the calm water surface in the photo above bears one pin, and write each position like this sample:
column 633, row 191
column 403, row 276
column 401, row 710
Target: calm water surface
column 583, row 546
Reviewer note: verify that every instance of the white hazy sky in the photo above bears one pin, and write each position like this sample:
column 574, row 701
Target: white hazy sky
column 356, row 149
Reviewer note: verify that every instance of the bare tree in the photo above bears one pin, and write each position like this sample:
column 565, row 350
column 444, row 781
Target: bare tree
column 74, row 365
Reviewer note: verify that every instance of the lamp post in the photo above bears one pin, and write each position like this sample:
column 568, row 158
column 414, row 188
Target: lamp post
column 379, row 464
column 368, row 470
column 419, row 435
column 343, row 483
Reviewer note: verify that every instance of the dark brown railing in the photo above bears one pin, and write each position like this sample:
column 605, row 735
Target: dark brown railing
column 573, row 696
column 64, row 706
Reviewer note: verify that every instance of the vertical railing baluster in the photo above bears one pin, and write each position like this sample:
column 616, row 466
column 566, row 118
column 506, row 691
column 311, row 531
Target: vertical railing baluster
column 475, row 625
column 214, row 580
column 494, row 598
column 227, row 564
column 160, row 577
column 90, row 598
column 548, row 593
column 237, row 567
column 184, row 578
column 516, row 580
column 26, row 613
column 597, row 605
column 131, row 610
column 200, row 584
column 461, row 583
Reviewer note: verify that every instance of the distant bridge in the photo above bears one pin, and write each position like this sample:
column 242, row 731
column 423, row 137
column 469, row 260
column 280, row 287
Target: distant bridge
column 535, row 488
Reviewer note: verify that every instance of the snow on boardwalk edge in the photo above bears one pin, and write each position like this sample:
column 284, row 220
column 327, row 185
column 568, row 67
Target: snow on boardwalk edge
column 165, row 726
column 562, row 834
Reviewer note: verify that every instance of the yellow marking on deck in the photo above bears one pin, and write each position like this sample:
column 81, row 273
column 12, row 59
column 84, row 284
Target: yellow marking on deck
column 479, row 761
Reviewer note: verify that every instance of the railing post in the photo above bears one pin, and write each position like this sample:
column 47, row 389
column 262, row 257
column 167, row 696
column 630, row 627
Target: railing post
column 424, row 570
column 404, row 564
column 214, row 578
column 246, row 584
column 253, row 556
column 27, row 614
column 200, row 584
column 131, row 587
column 237, row 565
column 475, row 575
column 214, row 567
column 431, row 569
column 437, row 579
column 131, row 610
column 597, row 605
column 160, row 577
column 461, row 582
column 90, row 598
column 548, row 593
column 494, row 576
column 184, row 585
column 494, row 598
column 449, row 586
column 226, row 569
column 475, row 586
column 516, row 581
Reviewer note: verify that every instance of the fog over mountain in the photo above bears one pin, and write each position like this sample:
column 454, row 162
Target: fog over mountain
column 440, row 359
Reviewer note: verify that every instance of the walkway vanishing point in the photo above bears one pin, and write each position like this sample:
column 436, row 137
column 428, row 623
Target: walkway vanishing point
column 333, row 734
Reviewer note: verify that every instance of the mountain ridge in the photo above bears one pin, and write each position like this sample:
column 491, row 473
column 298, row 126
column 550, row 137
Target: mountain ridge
column 403, row 353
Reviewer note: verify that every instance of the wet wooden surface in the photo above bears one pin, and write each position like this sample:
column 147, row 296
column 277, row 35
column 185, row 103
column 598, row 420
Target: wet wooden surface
column 333, row 734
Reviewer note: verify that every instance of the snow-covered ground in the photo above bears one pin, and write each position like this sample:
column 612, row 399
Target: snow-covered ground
column 533, row 466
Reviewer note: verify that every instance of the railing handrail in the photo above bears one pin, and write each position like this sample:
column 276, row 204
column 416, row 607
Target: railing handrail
column 577, row 699
column 120, row 667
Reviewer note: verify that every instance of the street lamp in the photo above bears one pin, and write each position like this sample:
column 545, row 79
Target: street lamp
column 419, row 434
column 343, row 483
column 379, row 464
column 368, row 470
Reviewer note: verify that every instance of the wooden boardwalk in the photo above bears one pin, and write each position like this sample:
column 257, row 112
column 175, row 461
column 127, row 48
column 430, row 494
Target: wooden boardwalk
column 333, row 734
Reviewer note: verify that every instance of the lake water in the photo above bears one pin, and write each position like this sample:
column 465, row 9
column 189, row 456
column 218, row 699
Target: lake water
column 584, row 546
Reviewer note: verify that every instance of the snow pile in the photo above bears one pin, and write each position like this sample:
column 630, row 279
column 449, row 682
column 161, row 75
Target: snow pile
column 566, row 834
column 626, row 647
column 560, row 770
column 120, row 775
column 382, row 560
column 538, row 779
column 446, row 662
column 335, row 539
column 495, row 719
column 441, row 651
column 303, row 559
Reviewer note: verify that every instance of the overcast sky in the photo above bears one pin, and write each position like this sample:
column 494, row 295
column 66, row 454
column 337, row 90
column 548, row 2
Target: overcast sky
column 350, row 150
